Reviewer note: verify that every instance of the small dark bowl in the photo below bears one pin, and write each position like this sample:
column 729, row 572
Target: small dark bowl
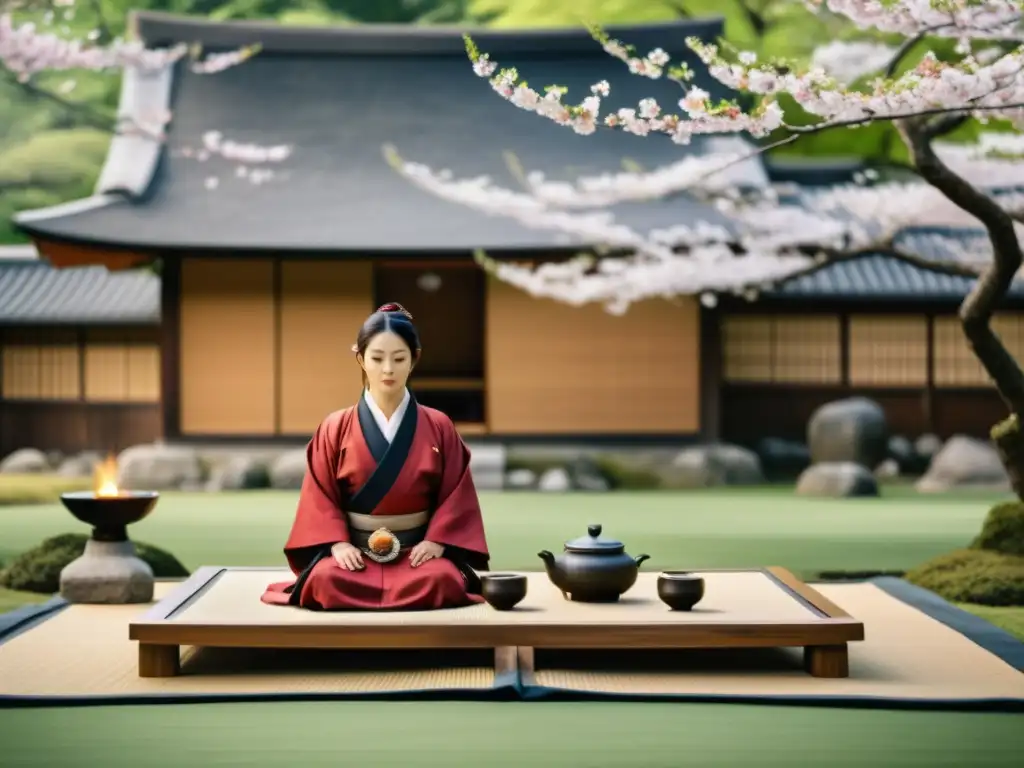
column 680, row 590
column 503, row 591
column 110, row 514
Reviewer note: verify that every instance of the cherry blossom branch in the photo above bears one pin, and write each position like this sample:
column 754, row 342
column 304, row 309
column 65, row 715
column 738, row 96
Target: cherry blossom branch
column 25, row 51
column 85, row 113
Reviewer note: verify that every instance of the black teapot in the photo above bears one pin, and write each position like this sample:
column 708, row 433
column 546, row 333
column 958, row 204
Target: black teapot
column 593, row 569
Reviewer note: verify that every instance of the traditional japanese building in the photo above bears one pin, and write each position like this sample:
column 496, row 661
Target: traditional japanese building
column 79, row 355
column 264, row 285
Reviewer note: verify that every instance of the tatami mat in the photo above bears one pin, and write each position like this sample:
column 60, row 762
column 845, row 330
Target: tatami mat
column 906, row 654
column 85, row 651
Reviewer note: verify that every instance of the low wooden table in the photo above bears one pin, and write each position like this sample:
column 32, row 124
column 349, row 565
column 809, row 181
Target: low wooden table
column 765, row 607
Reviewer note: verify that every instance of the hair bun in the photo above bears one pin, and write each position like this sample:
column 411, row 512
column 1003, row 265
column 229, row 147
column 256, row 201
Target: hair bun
column 394, row 307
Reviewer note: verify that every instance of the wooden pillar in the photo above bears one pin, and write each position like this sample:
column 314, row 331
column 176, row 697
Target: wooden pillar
column 170, row 346
column 710, row 374
column 276, row 288
column 844, row 350
column 928, row 399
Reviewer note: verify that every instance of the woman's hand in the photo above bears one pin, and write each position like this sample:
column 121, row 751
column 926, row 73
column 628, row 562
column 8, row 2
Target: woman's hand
column 347, row 556
column 425, row 550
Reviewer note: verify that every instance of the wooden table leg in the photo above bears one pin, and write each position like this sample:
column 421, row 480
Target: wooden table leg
column 827, row 660
column 159, row 660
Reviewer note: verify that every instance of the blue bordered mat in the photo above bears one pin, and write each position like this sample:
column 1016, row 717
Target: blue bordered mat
column 512, row 685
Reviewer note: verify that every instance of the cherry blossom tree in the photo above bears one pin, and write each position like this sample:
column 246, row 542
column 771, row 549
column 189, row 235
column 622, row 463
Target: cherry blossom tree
column 858, row 82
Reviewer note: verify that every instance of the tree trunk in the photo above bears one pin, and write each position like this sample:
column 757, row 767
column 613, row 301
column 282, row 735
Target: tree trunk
column 1010, row 445
column 991, row 287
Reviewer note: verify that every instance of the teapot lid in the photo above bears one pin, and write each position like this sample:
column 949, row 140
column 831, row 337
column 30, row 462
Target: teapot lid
column 594, row 543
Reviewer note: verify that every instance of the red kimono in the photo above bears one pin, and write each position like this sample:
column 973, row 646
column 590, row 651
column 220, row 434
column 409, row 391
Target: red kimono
column 352, row 468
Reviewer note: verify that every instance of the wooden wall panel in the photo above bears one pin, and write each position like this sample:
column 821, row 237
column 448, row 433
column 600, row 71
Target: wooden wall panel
column 806, row 349
column 554, row 368
column 785, row 349
column 122, row 365
column 956, row 365
column 323, row 305
column 888, row 350
column 72, row 426
column 40, row 364
column 226, row 351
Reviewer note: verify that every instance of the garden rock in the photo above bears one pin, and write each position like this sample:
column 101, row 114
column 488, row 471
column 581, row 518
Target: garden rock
column 927, row 445
column 849, row 430
column 586, row 475
column 107, row 572
column 837, row 480
column 782, row 458
column 159, row 467
column 887, row 470
column 82, row 465
column 555, row 480
column 716, row 465
column 25, row 461
column 901, row 451
column 521, row 479
column 288, row 470
column 240, row 473
column 965, row 462
column 487, row 463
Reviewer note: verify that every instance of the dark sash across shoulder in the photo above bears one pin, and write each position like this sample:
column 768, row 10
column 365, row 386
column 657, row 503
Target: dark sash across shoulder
column 389, row 457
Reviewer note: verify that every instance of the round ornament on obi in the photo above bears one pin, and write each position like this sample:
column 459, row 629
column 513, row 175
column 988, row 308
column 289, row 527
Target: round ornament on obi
column 381, row 541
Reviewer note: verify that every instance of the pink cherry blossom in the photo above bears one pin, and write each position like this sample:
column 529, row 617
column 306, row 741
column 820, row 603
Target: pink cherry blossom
column 773, row 232
column 26, row 50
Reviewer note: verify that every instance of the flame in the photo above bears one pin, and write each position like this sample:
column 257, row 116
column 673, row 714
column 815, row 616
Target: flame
column 105, row 478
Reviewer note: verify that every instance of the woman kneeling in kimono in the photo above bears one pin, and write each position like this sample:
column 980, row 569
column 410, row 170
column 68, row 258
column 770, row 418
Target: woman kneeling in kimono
column 388, row 516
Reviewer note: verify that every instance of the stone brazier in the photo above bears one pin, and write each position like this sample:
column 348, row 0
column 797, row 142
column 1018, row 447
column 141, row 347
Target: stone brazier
column 109, row 571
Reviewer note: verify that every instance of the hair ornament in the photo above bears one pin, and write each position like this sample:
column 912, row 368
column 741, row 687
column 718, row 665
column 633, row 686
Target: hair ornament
column 394, row 307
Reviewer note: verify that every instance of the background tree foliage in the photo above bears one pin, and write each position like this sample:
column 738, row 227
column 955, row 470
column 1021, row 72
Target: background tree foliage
column 54, row 130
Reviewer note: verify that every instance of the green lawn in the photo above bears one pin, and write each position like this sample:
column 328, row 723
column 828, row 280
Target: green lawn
column 504, row 735
column 698, row 529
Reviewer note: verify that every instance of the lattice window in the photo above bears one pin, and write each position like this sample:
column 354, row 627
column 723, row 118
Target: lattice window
column 888, row 351
column 747, row 348
column 40, row 366
column 955, row 362
column 122, row 372
column 806, row 350
column 799, row 349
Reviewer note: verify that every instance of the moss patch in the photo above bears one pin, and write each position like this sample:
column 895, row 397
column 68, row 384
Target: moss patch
column 973, row 576
column 38, row 570
column 1003, row 530
column 1006, row 427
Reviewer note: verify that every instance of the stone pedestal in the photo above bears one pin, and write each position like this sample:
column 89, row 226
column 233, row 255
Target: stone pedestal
column 107, row 572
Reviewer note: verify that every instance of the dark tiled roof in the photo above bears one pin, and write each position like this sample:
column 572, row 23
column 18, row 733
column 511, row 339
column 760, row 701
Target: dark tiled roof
column 338, row 95
column 37, row 294
column 882, row 277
